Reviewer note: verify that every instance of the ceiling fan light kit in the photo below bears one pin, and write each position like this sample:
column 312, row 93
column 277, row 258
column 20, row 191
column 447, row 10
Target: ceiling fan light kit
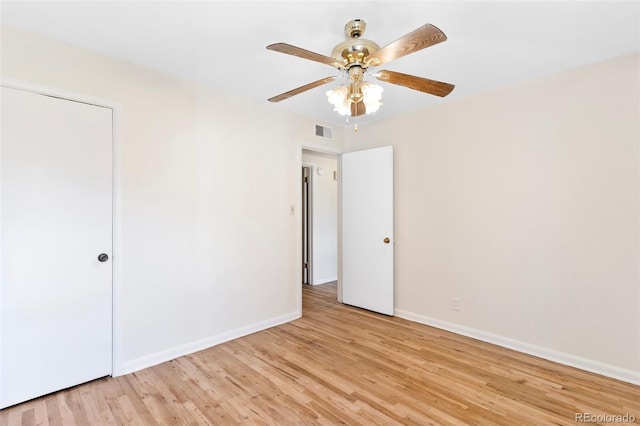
column 343, row 98
column 354, row 56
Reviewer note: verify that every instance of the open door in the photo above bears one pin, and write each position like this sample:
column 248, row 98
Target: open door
column 367, row 229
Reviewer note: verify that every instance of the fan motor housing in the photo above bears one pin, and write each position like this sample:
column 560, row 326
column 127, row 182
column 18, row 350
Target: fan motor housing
column 353, row 51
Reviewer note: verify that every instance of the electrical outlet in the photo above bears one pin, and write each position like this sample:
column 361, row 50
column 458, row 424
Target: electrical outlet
column 456, row 304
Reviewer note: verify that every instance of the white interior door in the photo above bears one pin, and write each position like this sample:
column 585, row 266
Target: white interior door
column 367, row 229
column 55, row 220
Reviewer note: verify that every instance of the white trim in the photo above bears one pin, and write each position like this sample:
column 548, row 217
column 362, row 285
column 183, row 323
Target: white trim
column 199, row 345
column 325, row 280
column 298, row 228
column 29, row 86
column 612, row 371
column 339, row 278
column 116, row 107
column 118, row 327
column 311, row 146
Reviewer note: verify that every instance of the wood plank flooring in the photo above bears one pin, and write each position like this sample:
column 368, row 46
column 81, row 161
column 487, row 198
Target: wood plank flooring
column 340, row 365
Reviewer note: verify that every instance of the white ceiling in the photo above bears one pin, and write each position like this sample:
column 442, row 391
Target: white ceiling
column 490, row 43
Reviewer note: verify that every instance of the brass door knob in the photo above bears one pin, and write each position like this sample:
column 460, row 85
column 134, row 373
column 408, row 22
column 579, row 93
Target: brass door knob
column 387, row 240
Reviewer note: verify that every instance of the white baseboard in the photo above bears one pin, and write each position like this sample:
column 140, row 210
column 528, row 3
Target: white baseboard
column 198, row 345
column 612, row 371
column 325, row 280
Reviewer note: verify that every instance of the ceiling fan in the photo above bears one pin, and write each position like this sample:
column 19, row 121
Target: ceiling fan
column 355, row 56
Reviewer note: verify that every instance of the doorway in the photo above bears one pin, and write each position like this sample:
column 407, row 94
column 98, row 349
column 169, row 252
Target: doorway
column 364, row 184
column 319, row 180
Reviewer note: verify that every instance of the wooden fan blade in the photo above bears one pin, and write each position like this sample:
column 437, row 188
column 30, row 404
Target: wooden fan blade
column 432, row 87
column 357, row 109
column 425, row 36
column 304, row 54
column 290, row 93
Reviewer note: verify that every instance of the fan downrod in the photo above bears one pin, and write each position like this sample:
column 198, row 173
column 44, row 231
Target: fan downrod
column 355, row 28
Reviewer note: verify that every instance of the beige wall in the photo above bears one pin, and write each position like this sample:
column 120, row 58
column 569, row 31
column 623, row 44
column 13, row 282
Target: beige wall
column 209, row 249
column 524, row 203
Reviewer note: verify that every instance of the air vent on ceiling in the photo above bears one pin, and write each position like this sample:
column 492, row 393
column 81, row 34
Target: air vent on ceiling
column 323, row 132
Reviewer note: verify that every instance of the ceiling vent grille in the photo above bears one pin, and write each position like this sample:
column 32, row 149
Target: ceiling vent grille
column 324, row 132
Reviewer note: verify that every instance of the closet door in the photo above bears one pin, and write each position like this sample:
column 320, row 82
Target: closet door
column 56, row 242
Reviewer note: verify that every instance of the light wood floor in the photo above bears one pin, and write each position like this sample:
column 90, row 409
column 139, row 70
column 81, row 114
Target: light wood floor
column 340, row 365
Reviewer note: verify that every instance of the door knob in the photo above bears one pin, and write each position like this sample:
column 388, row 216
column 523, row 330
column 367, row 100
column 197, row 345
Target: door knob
column 103, row 257
column 387, row 240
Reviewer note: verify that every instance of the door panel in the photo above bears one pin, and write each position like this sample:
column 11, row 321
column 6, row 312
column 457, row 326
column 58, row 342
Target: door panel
column 56, row 218
column 367, row 219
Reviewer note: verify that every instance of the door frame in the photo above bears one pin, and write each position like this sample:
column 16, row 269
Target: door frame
column 117, row 364
column 312, row 169
column 316, row 147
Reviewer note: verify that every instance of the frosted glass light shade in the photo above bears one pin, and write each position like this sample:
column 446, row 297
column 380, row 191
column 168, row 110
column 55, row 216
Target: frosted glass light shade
column 372, row 96
column 339, row 98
